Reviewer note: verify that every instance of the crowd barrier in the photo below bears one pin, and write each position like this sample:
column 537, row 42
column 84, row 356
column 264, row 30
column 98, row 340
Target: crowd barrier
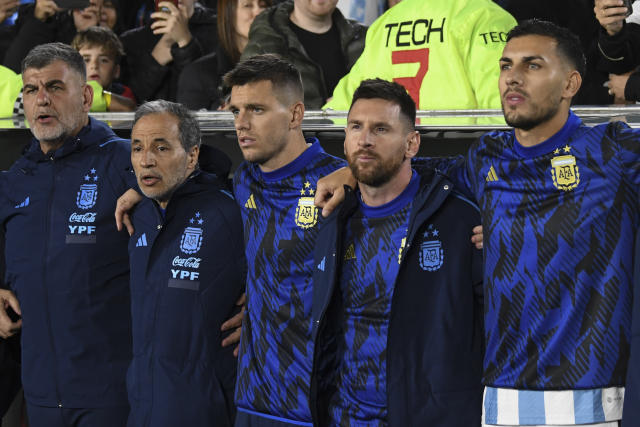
column 443, row 132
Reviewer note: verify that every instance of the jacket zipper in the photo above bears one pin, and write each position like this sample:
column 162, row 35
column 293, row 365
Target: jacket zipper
column 48, row 227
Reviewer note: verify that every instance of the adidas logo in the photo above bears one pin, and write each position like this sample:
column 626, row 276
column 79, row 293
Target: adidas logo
column 251, row 203
column 142, row 241
column 492, row 176
column 23, row 204
column 351, row 253
column 321, row 265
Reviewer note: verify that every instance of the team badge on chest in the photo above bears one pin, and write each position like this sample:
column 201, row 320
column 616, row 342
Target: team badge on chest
column 88, row 193
column 564, row 170
column 306, row 212
column 431, row 252
column 191, row 240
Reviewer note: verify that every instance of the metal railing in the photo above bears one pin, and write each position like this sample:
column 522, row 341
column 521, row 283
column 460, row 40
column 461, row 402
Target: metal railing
column 428, row 120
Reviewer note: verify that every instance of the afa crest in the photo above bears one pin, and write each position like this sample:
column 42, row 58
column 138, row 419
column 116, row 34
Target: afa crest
column 306, row 212
column 564, row 171
column 431, row 252
column 191, row 240
column 87, row 196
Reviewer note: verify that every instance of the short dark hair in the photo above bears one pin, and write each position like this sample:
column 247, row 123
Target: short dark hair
column 567, row 43
column 45, row 54
column 188, row 127
column 268, row 67
column 389, row 91
column 100, row 36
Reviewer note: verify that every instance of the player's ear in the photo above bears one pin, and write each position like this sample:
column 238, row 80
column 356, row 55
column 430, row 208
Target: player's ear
column 192, row 157
column 297, row 115
column 413, row 144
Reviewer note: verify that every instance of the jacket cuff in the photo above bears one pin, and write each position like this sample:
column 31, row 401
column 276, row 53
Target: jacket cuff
column 187, row 54
column 632, row 88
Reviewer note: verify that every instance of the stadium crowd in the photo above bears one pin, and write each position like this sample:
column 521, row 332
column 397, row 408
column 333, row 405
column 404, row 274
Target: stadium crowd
column 383, row 289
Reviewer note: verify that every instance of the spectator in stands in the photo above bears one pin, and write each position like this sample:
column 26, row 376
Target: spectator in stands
column 443, row 51
column 7, row 29
column 157, row 53
column 111, row 16
column 619, row 46
column 316, row 38
column 200, row 84
column 102, row 51
column 44, row 22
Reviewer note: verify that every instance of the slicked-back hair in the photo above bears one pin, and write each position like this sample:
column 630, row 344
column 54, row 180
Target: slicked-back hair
column 188, row 127
column 100, row 36
column 284, row 76
column 389, row 91
column 567, row 43
column 45, row 54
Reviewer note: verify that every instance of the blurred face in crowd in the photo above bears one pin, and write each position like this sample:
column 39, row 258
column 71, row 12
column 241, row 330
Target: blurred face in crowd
column 377, row 141
column 316, row 8
column 246, row 12
column 89, row 16
column 100, row 66
column 533, row 80
column 109, row 15
column 159, row 160
column 56, row 103
column 262, row 122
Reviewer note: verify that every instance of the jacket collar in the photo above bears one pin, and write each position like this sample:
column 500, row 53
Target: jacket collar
column 434, row 188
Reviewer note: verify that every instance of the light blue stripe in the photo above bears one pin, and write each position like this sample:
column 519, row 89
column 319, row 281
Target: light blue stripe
column 491, row 406
column 273, row 417
column 587, row 405
column 531, row 407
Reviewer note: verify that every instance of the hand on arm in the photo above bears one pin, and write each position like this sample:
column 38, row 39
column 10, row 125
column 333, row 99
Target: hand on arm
column 477, row 237
column 7, row 326
column 610, row 14
column 235, row 322
column 330, row 189
column 617, row 84
column 125, row 203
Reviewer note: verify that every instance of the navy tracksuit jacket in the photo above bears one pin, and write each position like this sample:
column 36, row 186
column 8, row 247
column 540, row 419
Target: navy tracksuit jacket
column 187, row 272
column 434, row 344
column 69, row 268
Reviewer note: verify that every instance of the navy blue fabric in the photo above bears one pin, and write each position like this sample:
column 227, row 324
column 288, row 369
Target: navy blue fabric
column 434, row 345
column 187, row 272
column 69, row 268
column 42, row 416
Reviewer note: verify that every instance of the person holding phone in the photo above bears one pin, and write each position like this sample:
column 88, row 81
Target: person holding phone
column 619, row 45
column 181, row 31
column 46, row 21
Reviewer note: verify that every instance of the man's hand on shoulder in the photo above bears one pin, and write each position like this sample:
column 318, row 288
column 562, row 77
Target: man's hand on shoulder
column 125, row 203
column 330, row 189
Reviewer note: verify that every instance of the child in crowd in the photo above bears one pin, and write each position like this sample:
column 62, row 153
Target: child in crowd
column 102, row 50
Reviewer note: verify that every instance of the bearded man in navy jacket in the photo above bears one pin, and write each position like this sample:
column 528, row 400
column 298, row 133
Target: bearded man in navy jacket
column 397, row 288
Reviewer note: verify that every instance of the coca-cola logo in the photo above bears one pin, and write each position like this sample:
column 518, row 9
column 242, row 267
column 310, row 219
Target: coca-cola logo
column 191, row 262
column 83, row 217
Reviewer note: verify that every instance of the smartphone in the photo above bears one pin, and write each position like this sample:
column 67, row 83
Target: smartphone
column 72, row 4
column 164, row 9
column 627, row 4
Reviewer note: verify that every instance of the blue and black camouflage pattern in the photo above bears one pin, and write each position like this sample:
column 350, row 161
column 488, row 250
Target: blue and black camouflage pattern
column 374, row 239
column 280, row 229
column 559, row 222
